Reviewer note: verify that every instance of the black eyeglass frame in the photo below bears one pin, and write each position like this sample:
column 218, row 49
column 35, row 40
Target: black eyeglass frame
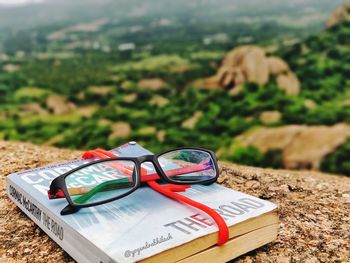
column 60, row 182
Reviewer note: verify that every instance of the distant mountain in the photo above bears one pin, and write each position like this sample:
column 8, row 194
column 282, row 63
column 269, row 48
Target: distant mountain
column 65, row 11
column 136, row 20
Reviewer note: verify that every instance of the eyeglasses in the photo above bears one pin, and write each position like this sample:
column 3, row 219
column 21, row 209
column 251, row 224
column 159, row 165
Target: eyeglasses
column 106, row 180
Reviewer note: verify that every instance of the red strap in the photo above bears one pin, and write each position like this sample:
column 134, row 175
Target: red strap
column 170, row 190
column 59, row 194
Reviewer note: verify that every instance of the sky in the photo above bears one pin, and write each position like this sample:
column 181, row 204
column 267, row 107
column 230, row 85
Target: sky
column 17, row 2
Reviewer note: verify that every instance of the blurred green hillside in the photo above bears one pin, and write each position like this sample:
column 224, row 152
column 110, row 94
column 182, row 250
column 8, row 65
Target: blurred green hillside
column 98, row 82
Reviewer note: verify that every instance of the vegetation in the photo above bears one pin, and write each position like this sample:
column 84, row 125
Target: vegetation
column 250, row 155
column 103, row 69
column 338, row 161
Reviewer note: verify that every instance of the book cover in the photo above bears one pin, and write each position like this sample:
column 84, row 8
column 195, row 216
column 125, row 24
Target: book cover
column 130, row 229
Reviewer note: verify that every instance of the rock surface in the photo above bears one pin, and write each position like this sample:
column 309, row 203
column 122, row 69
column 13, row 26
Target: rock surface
column 192, row 121
column 251, row 64
column 313, row 207
column 341, row 14
column 120, row 130
column 152, row 84
column 59, row 104
column 102, row 91
column 289, row 83
column 303, row 147
column 34, row 107
column 158, row 101
column 269, row 117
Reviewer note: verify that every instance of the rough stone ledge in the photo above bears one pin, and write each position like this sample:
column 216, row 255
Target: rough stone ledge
column 314, row 211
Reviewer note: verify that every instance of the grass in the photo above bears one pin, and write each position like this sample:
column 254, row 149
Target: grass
column 155, row 63
column 30, row 93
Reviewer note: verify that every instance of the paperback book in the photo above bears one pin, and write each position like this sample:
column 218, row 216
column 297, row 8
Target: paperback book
column 145, row 226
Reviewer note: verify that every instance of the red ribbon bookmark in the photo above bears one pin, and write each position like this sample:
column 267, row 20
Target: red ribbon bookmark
column 170, row 190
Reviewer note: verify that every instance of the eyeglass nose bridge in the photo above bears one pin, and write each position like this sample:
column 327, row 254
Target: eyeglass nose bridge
column 153, row 160
column 147, row 158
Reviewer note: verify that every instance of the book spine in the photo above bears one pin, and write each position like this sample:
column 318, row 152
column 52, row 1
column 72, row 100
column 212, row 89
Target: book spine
column 76, row 246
